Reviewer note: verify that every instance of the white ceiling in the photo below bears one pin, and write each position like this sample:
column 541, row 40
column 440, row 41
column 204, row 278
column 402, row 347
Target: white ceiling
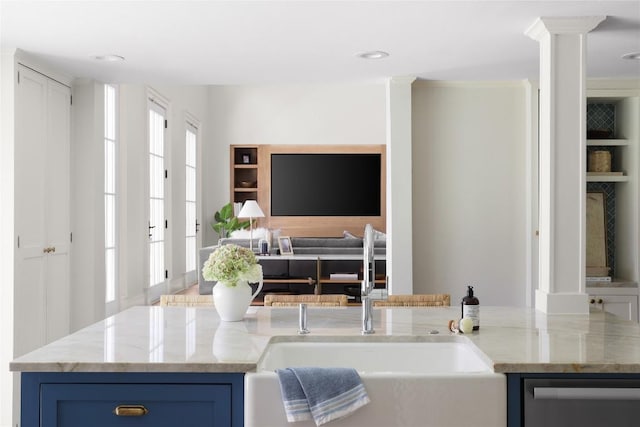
column 242, row 42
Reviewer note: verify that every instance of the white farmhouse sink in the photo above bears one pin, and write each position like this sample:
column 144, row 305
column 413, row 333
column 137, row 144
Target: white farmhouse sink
column 376, row 357
column 426, row 381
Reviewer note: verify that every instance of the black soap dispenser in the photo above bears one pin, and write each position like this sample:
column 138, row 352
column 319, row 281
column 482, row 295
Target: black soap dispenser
column 471, row 308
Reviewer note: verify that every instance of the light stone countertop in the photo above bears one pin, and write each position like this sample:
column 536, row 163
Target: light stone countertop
column 178, row 339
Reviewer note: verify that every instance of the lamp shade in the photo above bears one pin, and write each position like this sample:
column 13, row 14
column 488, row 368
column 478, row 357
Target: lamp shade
column 250, row 209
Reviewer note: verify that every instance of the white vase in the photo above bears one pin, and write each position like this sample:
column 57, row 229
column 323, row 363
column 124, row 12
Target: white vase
column 232, row 302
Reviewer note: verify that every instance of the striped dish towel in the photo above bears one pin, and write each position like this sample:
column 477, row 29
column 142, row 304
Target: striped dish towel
column 321, row 394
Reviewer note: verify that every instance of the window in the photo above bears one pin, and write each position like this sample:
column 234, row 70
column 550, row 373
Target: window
column 190, row 199
column 157, row 219
column 110, row 196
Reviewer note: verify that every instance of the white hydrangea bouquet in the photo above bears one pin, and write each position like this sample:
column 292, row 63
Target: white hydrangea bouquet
column 231, row 264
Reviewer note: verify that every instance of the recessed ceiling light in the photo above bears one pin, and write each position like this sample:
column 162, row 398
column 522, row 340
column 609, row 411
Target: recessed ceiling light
column 108, row 58
column 374, row 54
column 632, row 55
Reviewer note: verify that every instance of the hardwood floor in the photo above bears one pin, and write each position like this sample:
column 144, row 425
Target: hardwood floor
column 193, row 290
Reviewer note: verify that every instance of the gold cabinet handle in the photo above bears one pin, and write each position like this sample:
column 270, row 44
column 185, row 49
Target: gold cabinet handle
column 130, row 411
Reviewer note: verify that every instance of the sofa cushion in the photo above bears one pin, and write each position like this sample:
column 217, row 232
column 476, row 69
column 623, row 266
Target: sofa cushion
column 239, row 242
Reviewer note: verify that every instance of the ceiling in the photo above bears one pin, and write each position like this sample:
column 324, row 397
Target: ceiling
column 270, row 42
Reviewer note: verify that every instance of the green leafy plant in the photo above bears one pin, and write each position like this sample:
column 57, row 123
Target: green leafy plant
column 225, row 222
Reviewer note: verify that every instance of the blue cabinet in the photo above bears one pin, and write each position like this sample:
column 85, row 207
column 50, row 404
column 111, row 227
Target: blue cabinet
column 132, row 399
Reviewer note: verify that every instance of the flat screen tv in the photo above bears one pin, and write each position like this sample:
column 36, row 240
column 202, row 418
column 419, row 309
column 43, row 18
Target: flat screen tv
column 319, row 184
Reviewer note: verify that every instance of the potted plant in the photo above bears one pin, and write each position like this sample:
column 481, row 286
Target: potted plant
column 226, row 222
column 234, row 267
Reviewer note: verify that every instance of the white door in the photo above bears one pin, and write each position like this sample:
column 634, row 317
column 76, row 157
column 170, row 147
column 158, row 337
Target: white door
column 157, row 174
column 57, row 191
column 42, row 298
column 192, row 224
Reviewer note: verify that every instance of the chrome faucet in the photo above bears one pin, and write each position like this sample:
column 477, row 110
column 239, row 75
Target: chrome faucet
column 368, row 280
column 302, row 320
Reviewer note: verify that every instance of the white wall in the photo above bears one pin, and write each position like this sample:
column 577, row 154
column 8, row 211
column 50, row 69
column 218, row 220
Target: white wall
column 399, row 229
column 7, row 70
column 87, row 204
column 469, row 190
column 286, row 114
column 133, row 221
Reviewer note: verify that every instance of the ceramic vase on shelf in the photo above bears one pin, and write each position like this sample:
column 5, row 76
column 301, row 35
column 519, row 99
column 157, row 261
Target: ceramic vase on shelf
column 232, row 302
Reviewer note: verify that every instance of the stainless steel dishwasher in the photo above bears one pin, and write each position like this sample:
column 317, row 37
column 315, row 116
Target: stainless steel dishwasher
column 581, row 402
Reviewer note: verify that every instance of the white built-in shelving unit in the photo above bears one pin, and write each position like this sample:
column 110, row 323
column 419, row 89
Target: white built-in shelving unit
column 625, row 148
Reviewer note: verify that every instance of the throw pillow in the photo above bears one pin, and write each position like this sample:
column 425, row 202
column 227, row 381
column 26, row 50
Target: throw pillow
column 258, row 233
column 348, row 235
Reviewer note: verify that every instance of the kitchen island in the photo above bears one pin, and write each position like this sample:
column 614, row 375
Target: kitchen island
column 188, row 354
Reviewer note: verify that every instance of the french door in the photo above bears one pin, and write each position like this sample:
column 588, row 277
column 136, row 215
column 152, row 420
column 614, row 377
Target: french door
column 157, row 177
column 191, row 202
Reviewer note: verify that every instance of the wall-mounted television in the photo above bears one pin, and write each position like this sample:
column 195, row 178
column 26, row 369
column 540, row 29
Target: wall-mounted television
column 325, row 184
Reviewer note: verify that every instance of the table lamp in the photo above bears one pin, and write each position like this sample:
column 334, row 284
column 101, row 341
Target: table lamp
column 250, row 210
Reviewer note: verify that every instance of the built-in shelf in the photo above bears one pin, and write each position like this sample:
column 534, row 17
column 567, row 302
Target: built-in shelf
column 612, row 121
column 309, row 273
column 604, row 177
column 244, row 173
column 616, row 147
column 615, row 283
column 607, row 142
column 251, row 174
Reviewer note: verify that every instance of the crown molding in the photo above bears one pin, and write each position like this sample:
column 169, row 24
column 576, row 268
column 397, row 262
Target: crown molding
column 563, row 25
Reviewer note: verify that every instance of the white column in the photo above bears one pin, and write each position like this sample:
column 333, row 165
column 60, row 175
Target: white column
column 399, row 203
column 562, row 170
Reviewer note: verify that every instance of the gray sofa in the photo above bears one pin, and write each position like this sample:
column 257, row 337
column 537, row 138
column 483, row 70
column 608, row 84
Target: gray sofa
column 301, row 246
